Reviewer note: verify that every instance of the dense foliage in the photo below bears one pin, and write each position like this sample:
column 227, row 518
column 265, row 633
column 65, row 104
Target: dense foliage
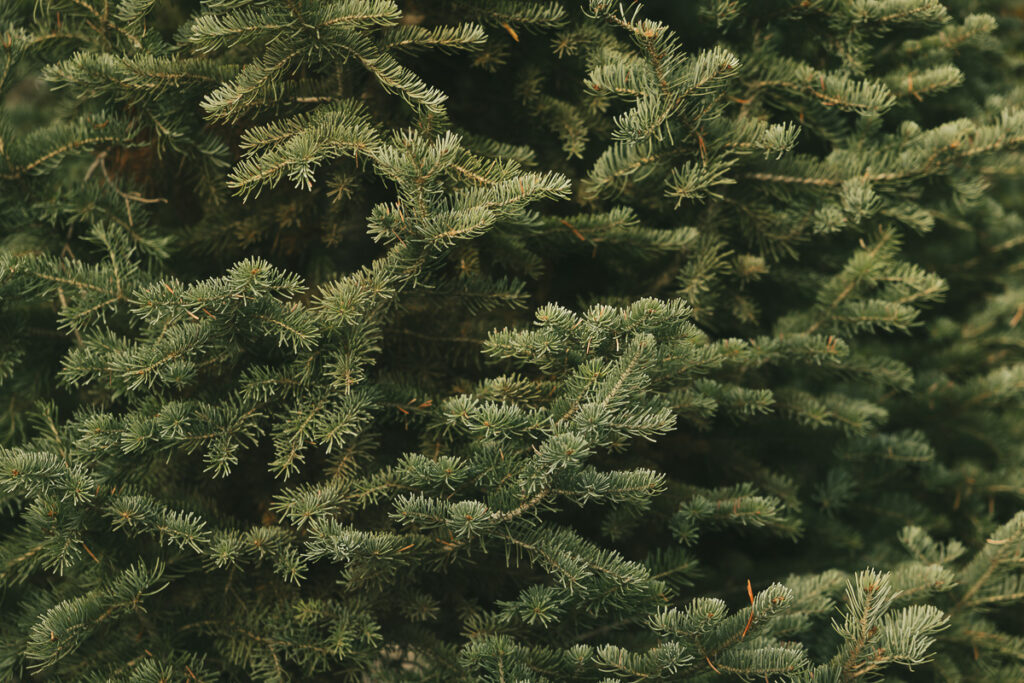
column 508, row 340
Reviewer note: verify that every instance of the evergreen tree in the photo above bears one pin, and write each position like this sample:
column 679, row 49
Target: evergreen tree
column 511, row 340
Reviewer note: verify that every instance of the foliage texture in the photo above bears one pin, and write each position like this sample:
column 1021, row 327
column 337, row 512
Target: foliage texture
column 511, row 340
